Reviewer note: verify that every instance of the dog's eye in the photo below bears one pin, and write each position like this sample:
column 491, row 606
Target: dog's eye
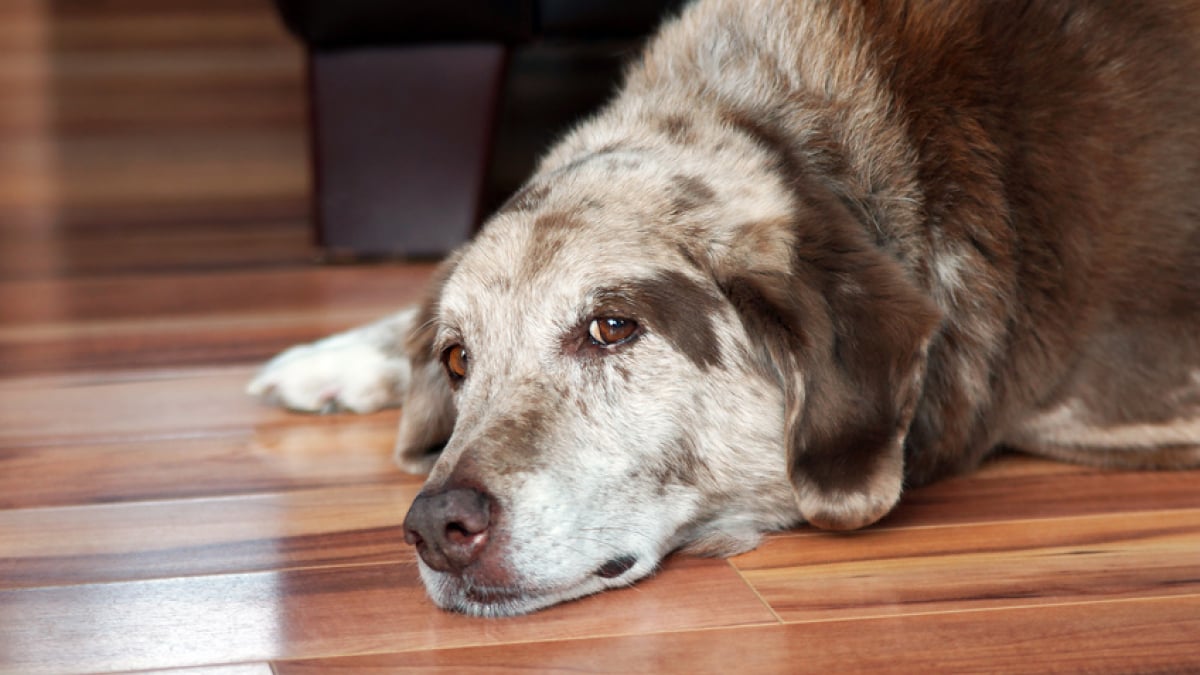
column 454, row 358
column 611, row 331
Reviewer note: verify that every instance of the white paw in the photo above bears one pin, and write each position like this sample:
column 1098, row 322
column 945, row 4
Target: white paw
column 337, row 373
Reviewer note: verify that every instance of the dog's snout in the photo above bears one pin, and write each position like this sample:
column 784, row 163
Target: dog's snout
column 450, row 528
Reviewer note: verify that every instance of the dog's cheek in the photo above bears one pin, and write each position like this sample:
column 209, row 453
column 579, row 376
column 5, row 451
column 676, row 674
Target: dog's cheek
column 722, row 544
column 625, row 468
column 427, row 420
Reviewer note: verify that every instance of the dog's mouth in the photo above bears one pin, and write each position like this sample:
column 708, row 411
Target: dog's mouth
column 616, row 567
column 496, row 596
column 462, row 594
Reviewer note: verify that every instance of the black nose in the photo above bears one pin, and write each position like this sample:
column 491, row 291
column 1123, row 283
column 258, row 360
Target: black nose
column 448, row 528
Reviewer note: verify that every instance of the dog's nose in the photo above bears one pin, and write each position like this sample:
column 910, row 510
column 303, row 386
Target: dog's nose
column 448, row 528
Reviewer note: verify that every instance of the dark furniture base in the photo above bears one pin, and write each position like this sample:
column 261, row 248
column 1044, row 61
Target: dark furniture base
column 401, row 140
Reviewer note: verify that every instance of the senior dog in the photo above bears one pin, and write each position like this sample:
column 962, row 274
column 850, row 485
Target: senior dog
column 812, row 253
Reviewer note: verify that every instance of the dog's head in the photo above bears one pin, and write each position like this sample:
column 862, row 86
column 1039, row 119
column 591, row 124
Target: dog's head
column 633, row 359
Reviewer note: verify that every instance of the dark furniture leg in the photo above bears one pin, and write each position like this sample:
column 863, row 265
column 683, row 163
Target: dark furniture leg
column 401, row 143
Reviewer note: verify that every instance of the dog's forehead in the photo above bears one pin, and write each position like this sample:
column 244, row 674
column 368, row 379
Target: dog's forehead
column 537, row 279
column 561, row 239
column 552, row 261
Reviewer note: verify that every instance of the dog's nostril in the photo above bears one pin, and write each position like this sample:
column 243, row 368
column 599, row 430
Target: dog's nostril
column 616, row 567
column 459, row 533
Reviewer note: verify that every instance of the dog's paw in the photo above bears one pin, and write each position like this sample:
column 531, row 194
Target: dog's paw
column 331, row 375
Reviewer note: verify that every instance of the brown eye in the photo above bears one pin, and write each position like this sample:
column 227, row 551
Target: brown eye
column 455, row 360
column 607, row 332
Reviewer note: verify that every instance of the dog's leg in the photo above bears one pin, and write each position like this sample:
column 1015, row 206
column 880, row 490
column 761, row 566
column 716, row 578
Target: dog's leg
column 1067, row 433
column 361, row 370
column 1156, row 427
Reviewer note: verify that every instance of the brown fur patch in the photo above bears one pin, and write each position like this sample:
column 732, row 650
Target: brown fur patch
column 681, row 465
column 678, row 129
column 682, row 311
column 860, row 386
column 528, row 198
column 845, row 322
column 515, row 440
column 546, row 240
column 690, row 193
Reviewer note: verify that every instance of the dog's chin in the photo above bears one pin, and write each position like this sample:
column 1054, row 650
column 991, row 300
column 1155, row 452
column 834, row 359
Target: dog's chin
column 461, row 594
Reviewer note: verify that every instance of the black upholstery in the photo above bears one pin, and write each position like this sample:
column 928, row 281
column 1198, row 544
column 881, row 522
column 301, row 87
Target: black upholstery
column 358, row 23
column 427, row 113
column 355, row 23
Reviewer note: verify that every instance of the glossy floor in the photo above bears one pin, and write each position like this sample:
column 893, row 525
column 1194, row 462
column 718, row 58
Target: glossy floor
column 156, row 518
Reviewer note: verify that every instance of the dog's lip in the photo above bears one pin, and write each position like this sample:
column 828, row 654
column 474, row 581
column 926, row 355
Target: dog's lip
column 511, row 599
column 508, row 599
column 495, row 595
column 485, row 594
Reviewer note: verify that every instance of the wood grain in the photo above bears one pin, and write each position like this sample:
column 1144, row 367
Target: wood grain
column 177, row 538
column 1020, row 487
column 305, row 452
column 189, row 318
column 232, row 669
column 880, row 572
column 133, row 407
column 154, row 247
column 325, row 611
column 1140, row 636
column 118, row 117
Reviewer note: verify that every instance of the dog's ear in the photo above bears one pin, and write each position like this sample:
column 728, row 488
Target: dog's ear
column 427, row 412
column 846, row 332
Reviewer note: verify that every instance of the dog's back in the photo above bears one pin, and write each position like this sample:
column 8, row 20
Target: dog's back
column 1034, row 166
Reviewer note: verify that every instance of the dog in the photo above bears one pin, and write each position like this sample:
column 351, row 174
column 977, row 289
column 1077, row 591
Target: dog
column 813, row 253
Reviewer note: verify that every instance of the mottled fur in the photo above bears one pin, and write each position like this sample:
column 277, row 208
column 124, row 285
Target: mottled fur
column 866, row 244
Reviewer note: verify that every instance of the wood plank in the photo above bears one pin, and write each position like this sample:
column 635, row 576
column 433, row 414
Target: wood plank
column 232, row 669
column 307, row 613
column 189, row 319
column 116, row 25
column 1150, row 635
column 64, row 304
column 246, row 234
column 878, row 572
column 170, row 342
column 122, row 115
column 304, row 452
column 1021, row 487
column 131, row 407
column 176, row 538
column 165, row 405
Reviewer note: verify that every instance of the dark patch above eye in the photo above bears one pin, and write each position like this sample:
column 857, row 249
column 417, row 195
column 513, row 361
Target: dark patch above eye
column 669, row 305
column 683, row 311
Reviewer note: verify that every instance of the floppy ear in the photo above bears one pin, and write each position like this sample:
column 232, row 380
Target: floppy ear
column 846, row 332
column 427, row 412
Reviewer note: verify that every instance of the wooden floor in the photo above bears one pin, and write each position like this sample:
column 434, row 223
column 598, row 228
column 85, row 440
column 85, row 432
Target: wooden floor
column 153, row 247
